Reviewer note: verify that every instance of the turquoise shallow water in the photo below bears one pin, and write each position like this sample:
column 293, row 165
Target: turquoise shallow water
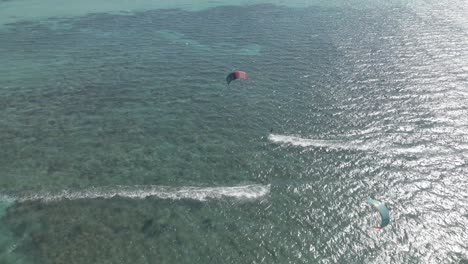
column 121, row 142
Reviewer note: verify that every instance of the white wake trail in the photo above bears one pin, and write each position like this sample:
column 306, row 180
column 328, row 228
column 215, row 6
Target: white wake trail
column 248, row 192
column 360, row 145
column 305, row 143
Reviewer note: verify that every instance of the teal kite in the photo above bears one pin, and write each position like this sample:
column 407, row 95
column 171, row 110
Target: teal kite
column 384, row 213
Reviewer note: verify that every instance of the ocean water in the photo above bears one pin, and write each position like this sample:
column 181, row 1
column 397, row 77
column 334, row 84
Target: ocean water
column 121, row 142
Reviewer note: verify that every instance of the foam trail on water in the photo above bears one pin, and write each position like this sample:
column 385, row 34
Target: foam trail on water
column 253, row 191
column 5, row 199
column 304, row 142
column 361, row 145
